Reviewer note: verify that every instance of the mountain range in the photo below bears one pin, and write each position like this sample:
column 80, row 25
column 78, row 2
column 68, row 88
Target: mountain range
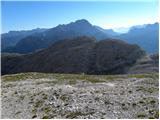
column 42, row 40
column 146, row 36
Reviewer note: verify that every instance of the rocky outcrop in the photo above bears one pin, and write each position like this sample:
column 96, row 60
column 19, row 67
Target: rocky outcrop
column 147, row 64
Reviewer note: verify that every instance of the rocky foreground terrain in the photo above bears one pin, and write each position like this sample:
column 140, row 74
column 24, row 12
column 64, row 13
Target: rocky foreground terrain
column 39, row 95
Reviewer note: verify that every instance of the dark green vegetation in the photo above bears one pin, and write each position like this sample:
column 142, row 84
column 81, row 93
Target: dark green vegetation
column 77, row 55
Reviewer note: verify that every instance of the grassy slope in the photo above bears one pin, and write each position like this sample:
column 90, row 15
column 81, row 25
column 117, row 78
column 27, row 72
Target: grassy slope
column 91, row 78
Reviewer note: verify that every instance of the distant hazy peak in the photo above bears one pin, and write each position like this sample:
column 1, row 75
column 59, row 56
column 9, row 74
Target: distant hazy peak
column 157, row 23
column 82, row 22
column 137, row 27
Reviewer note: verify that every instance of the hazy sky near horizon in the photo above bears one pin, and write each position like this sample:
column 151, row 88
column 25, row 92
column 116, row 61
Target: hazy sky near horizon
column 16, row 15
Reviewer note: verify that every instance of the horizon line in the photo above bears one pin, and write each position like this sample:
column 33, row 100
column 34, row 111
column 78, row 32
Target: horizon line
column 113, row 28
column 81, row 0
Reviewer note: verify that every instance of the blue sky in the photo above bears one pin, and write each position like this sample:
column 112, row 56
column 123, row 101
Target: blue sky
column 42, row 14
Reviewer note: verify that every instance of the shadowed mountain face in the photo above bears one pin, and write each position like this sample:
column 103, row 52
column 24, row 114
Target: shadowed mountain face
column 77, row 55
column 13, row 37
column 147, row 37
column 48, row 37
column 27, row 45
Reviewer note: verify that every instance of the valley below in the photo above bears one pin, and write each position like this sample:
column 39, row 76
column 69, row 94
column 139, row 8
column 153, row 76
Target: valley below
column 52, row 95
